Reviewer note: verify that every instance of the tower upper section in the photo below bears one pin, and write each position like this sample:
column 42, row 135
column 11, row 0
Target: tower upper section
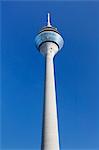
column 49, row 34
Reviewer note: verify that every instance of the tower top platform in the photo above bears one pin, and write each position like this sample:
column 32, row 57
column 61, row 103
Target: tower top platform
column 49, row 34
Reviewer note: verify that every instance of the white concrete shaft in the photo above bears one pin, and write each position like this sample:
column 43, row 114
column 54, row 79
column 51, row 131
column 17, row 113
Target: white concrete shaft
column 50, row 138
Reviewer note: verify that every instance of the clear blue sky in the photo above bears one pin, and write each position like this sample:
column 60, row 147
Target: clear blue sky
column 76, row 70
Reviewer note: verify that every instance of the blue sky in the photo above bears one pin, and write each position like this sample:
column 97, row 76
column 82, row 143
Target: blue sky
column 76, row 71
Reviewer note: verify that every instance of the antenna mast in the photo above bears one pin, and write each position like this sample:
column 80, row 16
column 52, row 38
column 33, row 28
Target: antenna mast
column 48, row 20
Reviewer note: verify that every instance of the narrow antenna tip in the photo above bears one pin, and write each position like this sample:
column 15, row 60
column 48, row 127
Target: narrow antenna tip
column 48, row 20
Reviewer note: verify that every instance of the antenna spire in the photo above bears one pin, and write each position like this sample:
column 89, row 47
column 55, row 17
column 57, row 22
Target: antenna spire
column 48, row 20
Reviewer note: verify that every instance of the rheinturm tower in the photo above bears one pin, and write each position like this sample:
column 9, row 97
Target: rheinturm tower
column 49, row 42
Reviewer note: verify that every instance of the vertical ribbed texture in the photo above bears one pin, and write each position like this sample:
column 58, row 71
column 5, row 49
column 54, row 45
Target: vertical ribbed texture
column 50, row 138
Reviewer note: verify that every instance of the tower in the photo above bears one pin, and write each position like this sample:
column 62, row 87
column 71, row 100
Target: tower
column 49, row 42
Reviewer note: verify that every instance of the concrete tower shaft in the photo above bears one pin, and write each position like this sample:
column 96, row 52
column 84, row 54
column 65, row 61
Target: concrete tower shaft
column 50, row 138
